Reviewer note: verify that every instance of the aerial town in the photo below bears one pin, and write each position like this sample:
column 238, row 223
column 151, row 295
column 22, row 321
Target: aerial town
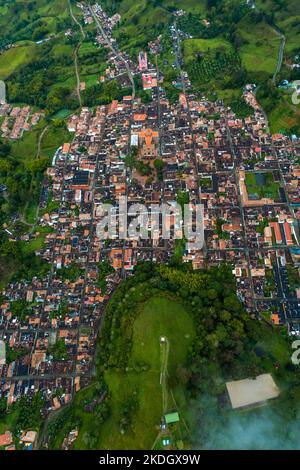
column 246, row 179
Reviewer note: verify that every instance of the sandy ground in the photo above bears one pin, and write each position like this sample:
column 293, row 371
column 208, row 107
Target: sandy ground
column 252, row 391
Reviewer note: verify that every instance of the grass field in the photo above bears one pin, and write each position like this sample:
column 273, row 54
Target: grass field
column 286, row 16
column 159, row 317
column 54, row 138
column 16, row 57
column 37, row 243
column 284, row 116
column 24, row 152
column 191, row 47
column 26, row 148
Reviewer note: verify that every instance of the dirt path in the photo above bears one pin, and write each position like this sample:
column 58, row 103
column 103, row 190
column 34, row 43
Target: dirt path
column 164, row 353
column 75, row 19
column 77, row 74
column 40, row 142
column 165, row 349
column 76, row 54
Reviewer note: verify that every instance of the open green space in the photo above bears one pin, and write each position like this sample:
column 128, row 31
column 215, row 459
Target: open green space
column 212, row 64
column 36, row 243
column 259, row 48
column 22, row 171
column 22, row 415
column 284, row 116
column 293, row 277
column 192, row 47
column 262, row 185
column 286, row 16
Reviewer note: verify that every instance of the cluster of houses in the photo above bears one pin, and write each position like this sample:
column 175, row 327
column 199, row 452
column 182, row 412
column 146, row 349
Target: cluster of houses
column 15, row 120
column 26, row 440
column 116, row 66
column 204, row 148
column 108, row 22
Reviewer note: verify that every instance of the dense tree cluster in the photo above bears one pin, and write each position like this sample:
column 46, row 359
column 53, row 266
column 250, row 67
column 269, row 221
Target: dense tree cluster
column 29, row 411
column 58, row 350
column 104, row 93
column 27, row 265
column 72, row 272
column 21, row 177
column 241, row 108
column 104, row 269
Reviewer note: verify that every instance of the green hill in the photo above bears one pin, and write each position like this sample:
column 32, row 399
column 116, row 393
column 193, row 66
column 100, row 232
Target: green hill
column 207, row 340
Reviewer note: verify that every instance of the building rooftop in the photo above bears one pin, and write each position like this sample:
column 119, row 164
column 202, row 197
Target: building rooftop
column 249, row 392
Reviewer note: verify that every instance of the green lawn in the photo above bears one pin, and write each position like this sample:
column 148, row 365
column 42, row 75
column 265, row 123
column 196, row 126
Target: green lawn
column 38, row 242
column 26, row 148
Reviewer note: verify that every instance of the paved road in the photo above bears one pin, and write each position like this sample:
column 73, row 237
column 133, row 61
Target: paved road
column 113, row 49
column 51, row 376
column 280, row 53
column 130, row 76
